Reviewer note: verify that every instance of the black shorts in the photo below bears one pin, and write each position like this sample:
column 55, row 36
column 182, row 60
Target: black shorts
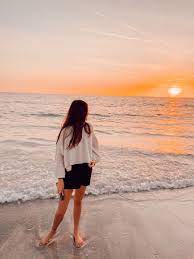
column 80, row 174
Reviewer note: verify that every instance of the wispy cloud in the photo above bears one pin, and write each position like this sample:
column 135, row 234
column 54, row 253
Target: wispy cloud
column 100, row 14
column 132, row 28
column 114, row 35
column 141, row 34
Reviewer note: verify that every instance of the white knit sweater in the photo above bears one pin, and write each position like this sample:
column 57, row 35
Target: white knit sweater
column 84, row 152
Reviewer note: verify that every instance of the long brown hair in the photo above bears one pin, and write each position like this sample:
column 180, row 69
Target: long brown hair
column 76, row 117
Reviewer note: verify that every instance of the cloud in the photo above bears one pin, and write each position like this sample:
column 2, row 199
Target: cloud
column 113, row 35
column 161, row 42
column 134, row 29
column 100, row 14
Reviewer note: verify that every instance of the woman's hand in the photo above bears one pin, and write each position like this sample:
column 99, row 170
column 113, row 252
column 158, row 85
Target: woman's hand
column 60, row 186
column 92, row 163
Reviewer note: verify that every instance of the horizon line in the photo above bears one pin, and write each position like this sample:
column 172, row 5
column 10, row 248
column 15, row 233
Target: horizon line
column 100, row 95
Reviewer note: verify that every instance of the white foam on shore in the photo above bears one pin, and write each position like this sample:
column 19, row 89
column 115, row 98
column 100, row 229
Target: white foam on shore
column 8, row 196
column 29, row 177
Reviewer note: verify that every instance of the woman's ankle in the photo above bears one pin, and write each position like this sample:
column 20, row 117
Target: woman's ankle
column 53, row 231
column 75, row 232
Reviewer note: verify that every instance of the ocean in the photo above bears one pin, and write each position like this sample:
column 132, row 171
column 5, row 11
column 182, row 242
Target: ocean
column 145, row 144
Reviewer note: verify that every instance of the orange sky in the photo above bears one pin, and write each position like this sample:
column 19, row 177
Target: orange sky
column 98, row 48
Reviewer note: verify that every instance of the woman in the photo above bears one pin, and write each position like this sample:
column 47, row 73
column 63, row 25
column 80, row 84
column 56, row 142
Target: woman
column 76, row 153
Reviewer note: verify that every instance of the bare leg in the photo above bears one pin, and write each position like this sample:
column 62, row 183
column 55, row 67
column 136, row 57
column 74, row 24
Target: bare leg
column 59, row 215
column 79, row 194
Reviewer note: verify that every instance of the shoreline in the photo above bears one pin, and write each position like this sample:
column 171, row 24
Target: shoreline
column 155, row 224
column 102, row 196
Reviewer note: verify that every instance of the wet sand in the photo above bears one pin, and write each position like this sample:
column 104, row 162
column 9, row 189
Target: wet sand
column 137, row 225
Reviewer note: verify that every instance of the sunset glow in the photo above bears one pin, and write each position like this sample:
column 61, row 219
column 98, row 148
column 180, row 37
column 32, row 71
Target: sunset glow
column 97, row 48
column 174, row 91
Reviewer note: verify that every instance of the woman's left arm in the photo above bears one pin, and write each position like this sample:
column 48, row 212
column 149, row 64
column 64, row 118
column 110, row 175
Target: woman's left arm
column 95, row 147
column 59, row 157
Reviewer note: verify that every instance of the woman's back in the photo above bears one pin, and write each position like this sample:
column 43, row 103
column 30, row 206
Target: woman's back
column 84, row 152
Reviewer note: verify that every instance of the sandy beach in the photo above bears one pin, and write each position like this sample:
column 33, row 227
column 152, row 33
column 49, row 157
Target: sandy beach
column 156, row 224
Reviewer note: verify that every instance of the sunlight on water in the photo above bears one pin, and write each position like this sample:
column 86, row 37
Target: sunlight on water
column 174, row 126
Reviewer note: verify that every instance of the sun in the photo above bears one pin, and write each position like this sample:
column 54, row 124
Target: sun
column 174, row 91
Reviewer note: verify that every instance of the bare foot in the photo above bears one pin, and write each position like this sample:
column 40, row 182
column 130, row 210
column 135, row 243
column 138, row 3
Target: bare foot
column 45, row 240
column 78, row 241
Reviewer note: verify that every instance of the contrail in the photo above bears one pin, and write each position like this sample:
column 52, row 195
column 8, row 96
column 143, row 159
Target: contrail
column 100, row 14
column 132, row 28
column 115, row 35
column 143, row 33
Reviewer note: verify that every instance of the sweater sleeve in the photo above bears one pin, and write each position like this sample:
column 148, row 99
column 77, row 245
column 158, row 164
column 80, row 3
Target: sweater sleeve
column 59, row 157
column 95, row 147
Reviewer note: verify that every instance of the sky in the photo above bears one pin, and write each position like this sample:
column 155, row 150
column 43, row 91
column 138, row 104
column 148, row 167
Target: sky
column 98, row 47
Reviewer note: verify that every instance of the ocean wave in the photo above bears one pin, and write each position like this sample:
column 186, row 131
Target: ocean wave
column 40, row 139
column 138, row 115
column 100, row 115
column 143, row 115
column 132, row 151
column 122, row 114
column 160, row 154
column 131, row 132
column 105, row 132
column 33, row 193
column 115, row 115
column 36, row 142
column 42, row 114
column 189, row 105
column 144, row 186
column 161, row 135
